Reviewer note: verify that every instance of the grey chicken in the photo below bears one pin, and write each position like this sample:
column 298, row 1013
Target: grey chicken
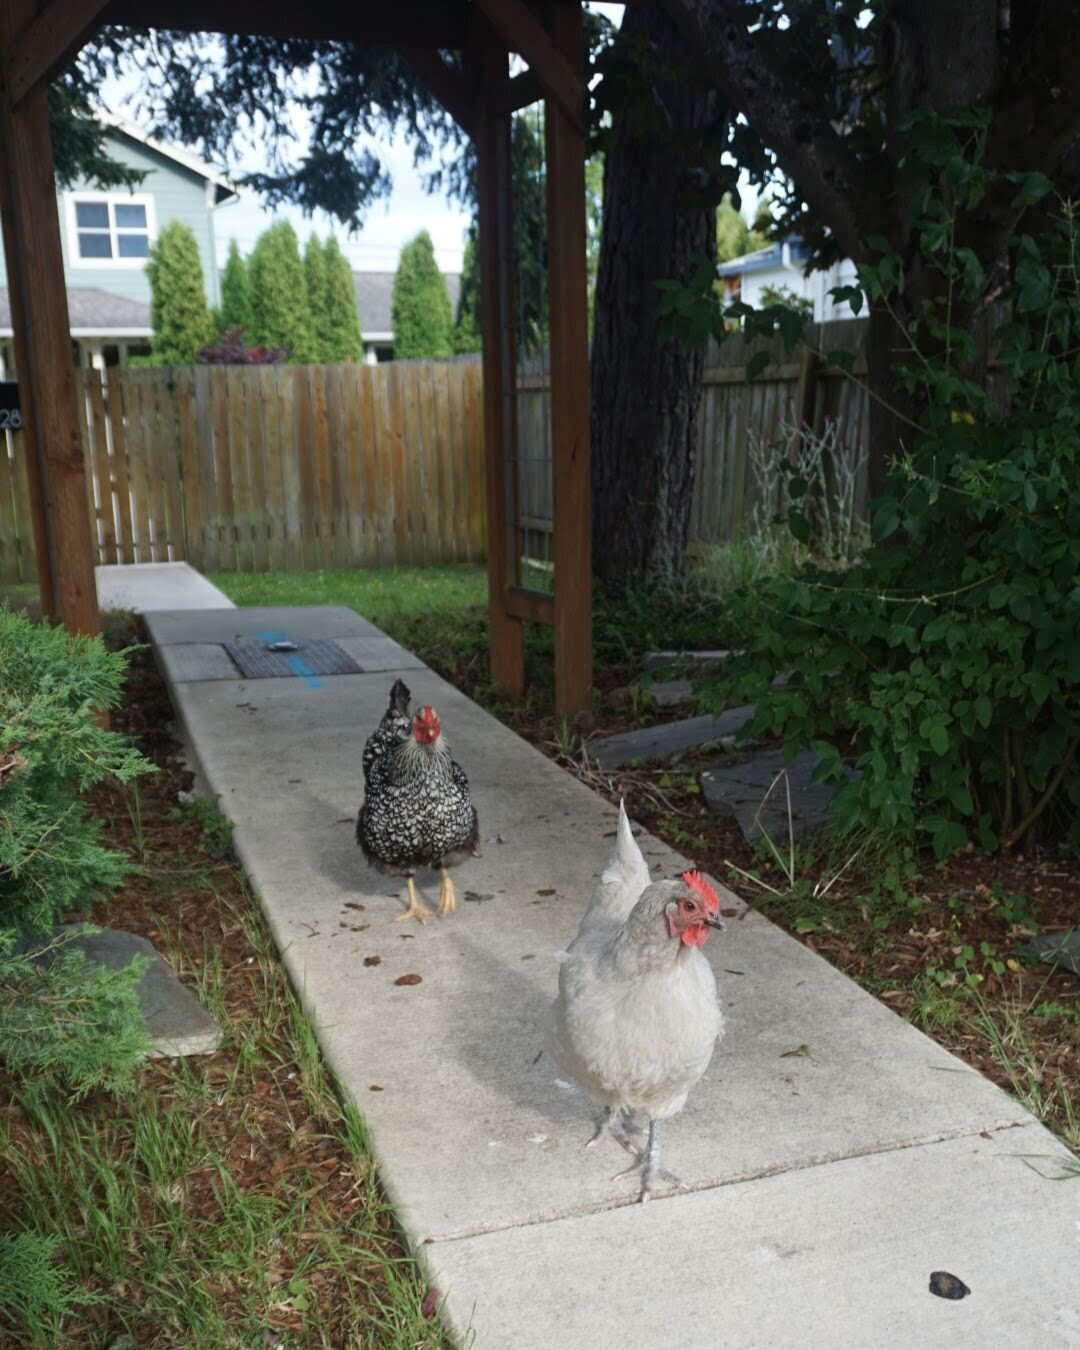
column 417, row 809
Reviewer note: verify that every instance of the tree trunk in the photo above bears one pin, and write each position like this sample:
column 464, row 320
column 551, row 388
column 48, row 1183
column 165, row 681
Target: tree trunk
column 646, row 392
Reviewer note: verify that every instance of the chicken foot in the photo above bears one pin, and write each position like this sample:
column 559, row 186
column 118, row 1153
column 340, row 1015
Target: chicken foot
column 447, row 894
column 648, row 1163
column 416, row 910
column 614, row 1121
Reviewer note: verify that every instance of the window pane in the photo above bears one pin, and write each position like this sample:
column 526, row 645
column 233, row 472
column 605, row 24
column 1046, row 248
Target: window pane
column 129, row 217
column 132, row 245
column 92, row 215
column 94, row 246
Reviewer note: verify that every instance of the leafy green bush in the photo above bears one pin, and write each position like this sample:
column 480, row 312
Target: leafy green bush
column 948, row 660
column 60, row 1019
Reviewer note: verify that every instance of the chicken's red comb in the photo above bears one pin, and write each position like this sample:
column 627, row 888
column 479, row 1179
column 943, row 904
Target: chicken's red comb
column 697, row 882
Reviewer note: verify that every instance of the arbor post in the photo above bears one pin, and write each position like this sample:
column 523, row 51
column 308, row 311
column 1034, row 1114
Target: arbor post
column 46, row 372
column 497, row 325
column 570, row 421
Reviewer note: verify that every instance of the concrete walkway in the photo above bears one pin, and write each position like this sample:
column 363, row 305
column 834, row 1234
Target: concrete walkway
column 819, row 1190
column 141, row 587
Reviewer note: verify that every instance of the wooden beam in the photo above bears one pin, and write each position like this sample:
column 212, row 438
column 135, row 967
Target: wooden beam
column 46, row 372
column 570, row 423
column 509, row 96
column 488, row 57
column 448, row 85
column 523, row 33
column 47, row 44
column 417, row 23
column 534, row 606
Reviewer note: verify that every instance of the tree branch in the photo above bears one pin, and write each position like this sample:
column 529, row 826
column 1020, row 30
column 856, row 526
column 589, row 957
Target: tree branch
column 809, row 150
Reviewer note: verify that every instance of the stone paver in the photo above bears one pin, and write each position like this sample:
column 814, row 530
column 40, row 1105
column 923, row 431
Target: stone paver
column 176, row 1021
column 742, row 790
column 1057, row 949
column 658, row 660
column 821, row 1189
column 667, row 739
column 672, row 693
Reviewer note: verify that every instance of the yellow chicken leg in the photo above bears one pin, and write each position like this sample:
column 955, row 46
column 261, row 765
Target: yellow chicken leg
column 447, row 895
column 416, row 910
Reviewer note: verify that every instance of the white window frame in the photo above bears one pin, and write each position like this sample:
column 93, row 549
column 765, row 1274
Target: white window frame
column 112, row 200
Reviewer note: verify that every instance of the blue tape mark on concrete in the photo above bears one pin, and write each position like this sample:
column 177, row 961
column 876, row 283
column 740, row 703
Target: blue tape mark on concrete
column 304, row 671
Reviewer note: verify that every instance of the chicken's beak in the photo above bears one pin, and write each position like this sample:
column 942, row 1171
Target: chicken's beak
column 715, row 923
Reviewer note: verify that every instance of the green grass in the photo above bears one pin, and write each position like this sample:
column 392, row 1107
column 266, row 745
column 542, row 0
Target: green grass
column 385, row 595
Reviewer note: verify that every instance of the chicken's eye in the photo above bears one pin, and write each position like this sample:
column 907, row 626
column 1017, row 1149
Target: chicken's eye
column 687, row 904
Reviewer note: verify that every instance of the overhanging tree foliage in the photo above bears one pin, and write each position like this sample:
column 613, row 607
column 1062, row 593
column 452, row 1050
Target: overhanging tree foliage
column 827, row 92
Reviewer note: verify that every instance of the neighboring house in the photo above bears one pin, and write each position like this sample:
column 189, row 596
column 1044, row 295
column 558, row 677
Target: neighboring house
column 780, row 266
column 374, row 295
column 106, row 237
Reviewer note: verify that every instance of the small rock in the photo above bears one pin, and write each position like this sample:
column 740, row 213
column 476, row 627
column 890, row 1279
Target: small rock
column 945, row 1285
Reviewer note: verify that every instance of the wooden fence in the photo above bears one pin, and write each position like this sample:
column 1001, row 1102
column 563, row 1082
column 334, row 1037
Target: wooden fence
column 252, row 468
column 298, row 467
column 736, row 417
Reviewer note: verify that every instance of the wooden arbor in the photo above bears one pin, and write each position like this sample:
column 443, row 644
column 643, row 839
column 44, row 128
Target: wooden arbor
column 38, row 37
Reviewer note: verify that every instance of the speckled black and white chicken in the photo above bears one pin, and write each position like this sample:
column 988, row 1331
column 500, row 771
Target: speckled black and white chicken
column 417, row 809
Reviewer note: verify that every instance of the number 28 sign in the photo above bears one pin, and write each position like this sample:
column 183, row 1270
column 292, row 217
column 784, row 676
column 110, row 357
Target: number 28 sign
column 10, row 414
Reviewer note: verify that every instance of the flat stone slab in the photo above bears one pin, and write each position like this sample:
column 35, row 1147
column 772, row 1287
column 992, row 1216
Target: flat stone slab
column 671, row 738
column 831, row 1257
column 176, row 1021
column 672, row 693
column 186, row 661
column 740, row 790
column 658, row 660
column 1056, row 949
column 168, row 627
column 141, row 587
column 379, row 653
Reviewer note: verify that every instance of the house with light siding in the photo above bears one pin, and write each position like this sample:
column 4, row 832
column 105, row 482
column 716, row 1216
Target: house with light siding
column 754, row 277
column 106, row 238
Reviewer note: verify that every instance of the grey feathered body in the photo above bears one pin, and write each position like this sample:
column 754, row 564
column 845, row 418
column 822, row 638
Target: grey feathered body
column 637, row 1015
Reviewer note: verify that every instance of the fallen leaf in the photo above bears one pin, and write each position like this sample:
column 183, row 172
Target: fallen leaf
column 548, row 890
column 407, row 979
column 374, row 1088
column 372, row 960
column 430, row 1303
column 1014, row 965
column 802, row 1052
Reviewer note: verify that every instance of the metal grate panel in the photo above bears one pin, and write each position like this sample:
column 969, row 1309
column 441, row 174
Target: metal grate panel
column 316, row 656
